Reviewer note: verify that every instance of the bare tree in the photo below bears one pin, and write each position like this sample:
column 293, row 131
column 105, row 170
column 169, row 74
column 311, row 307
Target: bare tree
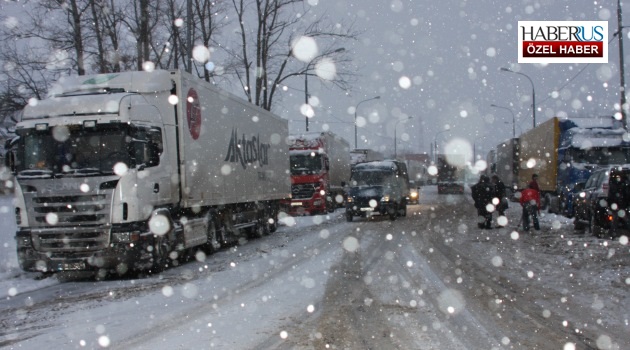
column 58, row 25
column 112, row 17
column 266, row 48
column 211, row 20
column 142, row 21
column 96, row 8
column 26, row 75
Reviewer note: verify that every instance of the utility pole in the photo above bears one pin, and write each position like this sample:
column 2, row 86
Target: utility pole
column 622, row 80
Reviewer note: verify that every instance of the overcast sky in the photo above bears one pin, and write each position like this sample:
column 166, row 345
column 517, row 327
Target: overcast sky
column 451, row 53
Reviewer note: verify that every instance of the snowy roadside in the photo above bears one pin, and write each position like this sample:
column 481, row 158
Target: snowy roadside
column 573, row 277
column 14, row 281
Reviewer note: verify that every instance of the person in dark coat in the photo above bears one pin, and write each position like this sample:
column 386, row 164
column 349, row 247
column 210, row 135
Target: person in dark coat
column 500, row 194
column 482, row 194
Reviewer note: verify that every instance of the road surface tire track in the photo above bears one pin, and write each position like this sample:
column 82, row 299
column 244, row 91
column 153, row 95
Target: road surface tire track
column 518, row 308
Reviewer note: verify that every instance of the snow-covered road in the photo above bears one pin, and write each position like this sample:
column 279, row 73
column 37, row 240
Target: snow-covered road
column 431, row 280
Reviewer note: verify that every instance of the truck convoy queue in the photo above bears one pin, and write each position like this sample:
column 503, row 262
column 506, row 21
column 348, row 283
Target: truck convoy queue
column 129, row 172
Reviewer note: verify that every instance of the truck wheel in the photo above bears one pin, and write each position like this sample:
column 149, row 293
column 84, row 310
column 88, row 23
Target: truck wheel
column 330, row 204
column 578, row 225
column 594, row 228
column 403, row 210
column 261, row 228
column 160, row 252
column 213, row 239
column 272, row 220
column 393, row 212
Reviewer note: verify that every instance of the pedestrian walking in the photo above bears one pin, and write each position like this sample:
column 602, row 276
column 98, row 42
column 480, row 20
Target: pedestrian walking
column 500, row 194
column 530, row 200
column 482, row 194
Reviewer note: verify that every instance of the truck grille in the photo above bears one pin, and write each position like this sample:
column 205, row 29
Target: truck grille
column 79, row 209
column 80, row 239
column 69, row 219
column 76, row 210
column 302, row 191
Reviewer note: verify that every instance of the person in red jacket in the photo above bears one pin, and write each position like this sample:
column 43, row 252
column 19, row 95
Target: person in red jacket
column 530, row 200
column 534, row 183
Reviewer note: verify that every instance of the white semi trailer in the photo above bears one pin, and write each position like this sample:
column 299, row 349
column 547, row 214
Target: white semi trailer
column 128, row 171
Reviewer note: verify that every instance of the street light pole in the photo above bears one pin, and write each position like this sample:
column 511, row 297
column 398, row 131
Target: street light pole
column 435, row 146
column 306, row 97
column 622, row 81
column 355, row 117
column 341, row 49
column 513, row 118
column 395, row 138
column 503, row 69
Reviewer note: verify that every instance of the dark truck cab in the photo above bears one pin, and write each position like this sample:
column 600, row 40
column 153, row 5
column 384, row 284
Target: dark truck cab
column 379, row 187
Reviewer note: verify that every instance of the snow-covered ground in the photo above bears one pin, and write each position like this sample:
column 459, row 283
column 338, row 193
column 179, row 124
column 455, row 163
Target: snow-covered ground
column 431, row 280
column 12, row 279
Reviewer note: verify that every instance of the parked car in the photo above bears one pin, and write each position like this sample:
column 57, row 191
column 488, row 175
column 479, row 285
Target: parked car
column 603, row 204
column 587, row 201
column 611, row 218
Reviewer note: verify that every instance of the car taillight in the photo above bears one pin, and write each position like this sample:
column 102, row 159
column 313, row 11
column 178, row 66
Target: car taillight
column 605, row 186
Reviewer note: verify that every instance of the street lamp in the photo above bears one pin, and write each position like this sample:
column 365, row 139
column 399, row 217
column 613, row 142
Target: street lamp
column 435, row 147
column 306, row 97
column 503, row 69
column 341, row 49
column 395, row 128
column 355, row 117
column 622, row 80
column 513, row 118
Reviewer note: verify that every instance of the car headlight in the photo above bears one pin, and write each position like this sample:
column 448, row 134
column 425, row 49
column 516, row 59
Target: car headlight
column 414, row 195
column 385, row 198
column 349, row 200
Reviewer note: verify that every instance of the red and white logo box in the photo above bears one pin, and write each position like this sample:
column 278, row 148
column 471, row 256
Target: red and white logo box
column 562, row 42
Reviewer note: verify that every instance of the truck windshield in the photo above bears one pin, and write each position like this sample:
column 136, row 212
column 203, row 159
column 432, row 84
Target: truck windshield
column 73, row 151
column 305, row 164
column 601, row 155
column 372, row 178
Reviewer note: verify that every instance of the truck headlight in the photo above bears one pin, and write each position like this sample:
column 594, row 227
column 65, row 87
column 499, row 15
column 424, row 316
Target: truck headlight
column 125, row 237
column 23, row 241
column 413, row 195
column 385, row 198
column 349, row 200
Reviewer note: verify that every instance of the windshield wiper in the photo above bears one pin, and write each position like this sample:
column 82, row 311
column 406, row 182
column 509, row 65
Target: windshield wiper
column 36, row 174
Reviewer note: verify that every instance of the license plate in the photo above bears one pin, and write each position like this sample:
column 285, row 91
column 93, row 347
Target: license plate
column 367, row 209
column 75, row 266
column 296, row 204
